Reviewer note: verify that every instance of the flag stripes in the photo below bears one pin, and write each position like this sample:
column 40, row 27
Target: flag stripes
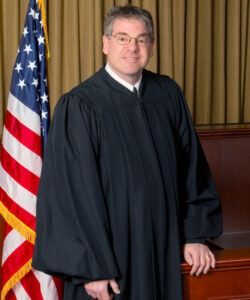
column 10, row 236
column 24, row 114
column 17, row 193
column 11, row 296
column 22, row 154
column 23, row 134
column 19, row 173
column 35, row 292
column 24, row 216
column 15, row 261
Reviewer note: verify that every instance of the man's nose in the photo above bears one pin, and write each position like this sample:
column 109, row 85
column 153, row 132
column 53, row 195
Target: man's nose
column 133, row 44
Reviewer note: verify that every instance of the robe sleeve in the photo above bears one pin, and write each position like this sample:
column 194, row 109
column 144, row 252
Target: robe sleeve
column 73, row 239
column 200, row 200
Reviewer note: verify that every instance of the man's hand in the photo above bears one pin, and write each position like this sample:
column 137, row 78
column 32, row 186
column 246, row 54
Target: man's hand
column 199, row 257
column 99, row 289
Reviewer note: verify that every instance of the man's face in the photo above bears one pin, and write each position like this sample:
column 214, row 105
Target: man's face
column 127, row 61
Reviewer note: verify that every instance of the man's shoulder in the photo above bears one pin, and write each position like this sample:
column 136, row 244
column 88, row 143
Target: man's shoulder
column 87, row 91
column 161, row 78
column 89, row 85
column 164, row 84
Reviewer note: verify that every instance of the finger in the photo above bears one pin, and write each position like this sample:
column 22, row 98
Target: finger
column 114, row 286
column 208, row 265
column 105, row 296
column 213, row 260
column 202, row 266
column 196, row 265
column 188, row 259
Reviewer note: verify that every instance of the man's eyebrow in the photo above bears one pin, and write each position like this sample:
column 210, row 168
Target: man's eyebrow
column 125, row 33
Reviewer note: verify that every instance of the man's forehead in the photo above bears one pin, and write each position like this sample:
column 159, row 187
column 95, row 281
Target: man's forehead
column 122, row 24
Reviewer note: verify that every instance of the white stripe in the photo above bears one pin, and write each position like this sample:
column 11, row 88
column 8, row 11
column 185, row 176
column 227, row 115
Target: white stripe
column 24, row 114
column 17, row 193
column 20, row 292
column 47, row 285
column 11, row 242
column 22, row 154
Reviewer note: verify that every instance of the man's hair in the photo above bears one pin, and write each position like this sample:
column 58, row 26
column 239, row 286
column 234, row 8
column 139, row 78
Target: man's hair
column 128, row 11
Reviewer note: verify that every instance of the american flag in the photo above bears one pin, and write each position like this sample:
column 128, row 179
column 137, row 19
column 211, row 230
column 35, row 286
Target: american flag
column 24, row 137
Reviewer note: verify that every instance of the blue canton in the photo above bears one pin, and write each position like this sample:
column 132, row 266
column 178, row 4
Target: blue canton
column 29, row 80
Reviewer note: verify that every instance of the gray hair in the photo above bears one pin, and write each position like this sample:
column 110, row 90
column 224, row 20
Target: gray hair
column 128, row 11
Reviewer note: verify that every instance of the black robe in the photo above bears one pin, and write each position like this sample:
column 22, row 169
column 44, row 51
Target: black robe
column 124, row 184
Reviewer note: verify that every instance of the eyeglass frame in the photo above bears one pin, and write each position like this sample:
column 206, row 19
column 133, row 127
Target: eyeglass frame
column 130, row 39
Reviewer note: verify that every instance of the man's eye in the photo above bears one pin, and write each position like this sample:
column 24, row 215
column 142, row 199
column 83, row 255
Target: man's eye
column 141, row 41
column 123, row 39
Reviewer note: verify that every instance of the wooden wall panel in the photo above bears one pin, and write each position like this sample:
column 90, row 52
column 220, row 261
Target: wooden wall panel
column 228, row 153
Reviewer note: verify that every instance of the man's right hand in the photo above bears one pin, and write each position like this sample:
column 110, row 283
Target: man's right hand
column 99, row 289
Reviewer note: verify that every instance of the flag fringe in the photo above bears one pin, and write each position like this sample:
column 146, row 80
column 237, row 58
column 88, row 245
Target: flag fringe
column 15, row 278
column 18, row 225
column 44, row 20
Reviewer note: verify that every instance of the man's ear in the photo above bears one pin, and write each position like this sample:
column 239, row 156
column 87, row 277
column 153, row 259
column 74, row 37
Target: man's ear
column 105, row 42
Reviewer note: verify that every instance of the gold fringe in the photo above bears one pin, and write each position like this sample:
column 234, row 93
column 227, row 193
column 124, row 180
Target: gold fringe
column 14, row 222
column 44, row 20
column 15, row 278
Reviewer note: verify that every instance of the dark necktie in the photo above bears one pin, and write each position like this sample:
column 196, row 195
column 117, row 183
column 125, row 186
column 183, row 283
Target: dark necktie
column 135, row 91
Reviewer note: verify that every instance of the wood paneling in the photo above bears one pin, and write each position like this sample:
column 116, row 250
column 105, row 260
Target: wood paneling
column 228, row 153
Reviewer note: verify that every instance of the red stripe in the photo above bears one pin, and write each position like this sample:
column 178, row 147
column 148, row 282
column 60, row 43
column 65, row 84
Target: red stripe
column 17, row 210
column 23, row 134
column 16, row 260
column 11, row 295
column 22, row 175
column 7, row 230
column 59, row 287
column 32, row 286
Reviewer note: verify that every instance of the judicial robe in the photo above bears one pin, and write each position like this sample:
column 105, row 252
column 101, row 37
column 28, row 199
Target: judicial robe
column 124, row 184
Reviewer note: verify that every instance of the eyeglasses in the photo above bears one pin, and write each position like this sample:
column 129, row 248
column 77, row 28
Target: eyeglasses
column 124, row 39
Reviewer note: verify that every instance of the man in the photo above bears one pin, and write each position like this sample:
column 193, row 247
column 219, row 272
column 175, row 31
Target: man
column 125, row 185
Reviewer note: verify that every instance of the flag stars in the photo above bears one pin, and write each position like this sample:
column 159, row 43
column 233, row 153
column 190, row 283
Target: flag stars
column 28, row 49
column 41, row 40
column 25, row 31
column 45, row 98
column 34, row 15
column 35, row 82
column 32, row 65
column 18, row 67
column 21, row 83
column 40, row 56
column 44, row 114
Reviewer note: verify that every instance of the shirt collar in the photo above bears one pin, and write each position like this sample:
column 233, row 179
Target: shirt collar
column 122, row 81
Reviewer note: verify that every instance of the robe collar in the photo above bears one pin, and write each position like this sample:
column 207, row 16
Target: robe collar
column 122, row 81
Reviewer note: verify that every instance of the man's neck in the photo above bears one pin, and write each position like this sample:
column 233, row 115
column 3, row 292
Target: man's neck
column 128, row 84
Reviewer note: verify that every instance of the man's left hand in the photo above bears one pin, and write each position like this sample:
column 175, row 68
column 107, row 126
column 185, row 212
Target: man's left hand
column 199, row 257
